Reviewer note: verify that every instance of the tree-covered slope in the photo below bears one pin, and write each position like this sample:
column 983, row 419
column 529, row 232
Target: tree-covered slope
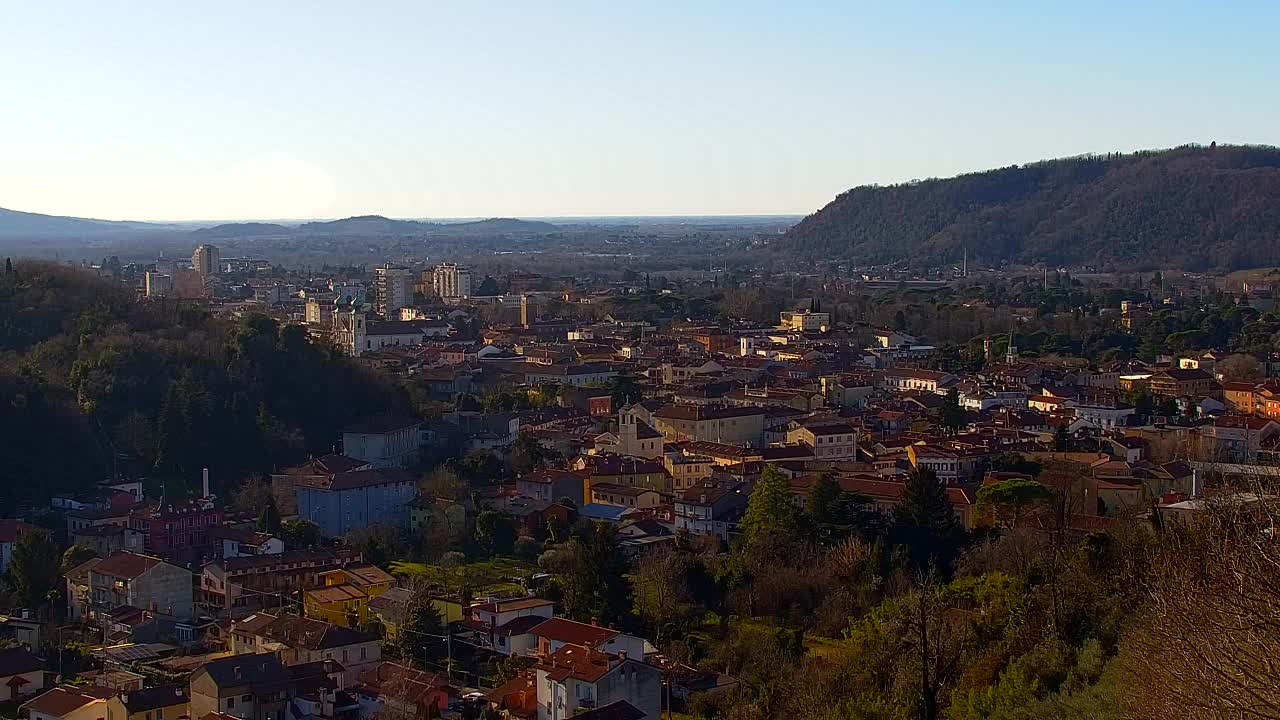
column 93, row 381
column 1192, row 207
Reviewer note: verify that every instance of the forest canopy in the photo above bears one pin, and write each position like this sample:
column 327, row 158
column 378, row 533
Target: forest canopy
column 1192, row 207
column 158, row 389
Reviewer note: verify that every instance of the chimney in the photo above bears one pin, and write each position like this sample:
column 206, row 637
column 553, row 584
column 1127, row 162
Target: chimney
column 622, row 655
column 205, row 478
column 595, row 621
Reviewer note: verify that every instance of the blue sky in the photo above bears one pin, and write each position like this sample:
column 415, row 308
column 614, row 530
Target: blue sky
column 464, row 109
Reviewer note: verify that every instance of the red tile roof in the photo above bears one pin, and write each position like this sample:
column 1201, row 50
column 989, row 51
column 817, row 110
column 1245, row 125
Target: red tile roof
column 576, row 661
column 574, row 633
column 126, row 565
column 62, row 701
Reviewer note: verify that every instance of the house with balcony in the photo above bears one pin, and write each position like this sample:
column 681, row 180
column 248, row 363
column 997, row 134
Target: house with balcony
column 576, row 680
column 143, row 582
column 299, row 640
column 710, row 507
column 952, row 465
column 238, row 586
column 828, row 441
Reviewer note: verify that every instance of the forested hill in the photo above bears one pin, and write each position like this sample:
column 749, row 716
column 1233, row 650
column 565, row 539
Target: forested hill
column 91, row 380
column 1191, row 207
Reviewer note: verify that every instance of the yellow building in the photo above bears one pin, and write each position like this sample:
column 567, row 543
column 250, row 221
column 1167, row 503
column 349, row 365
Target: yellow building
column 340, row 604
column 344, row 599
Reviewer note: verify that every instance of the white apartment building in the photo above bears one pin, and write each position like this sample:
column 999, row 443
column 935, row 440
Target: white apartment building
column 393, row 289
column 449, row 280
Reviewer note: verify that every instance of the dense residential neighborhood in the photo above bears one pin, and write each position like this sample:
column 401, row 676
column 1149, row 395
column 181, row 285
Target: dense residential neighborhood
column 535, row 509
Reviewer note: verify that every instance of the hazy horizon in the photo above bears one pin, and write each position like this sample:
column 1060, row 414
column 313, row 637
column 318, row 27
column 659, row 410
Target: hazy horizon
column 435, row 110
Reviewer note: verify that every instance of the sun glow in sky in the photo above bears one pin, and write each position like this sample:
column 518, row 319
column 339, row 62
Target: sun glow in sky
column 234, row 110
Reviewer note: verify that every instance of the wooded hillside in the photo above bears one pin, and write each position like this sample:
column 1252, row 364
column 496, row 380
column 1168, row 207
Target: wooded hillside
column 1191, row 207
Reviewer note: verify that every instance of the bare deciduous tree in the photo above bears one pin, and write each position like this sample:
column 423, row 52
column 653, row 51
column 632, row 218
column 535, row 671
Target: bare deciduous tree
column 1213, row 625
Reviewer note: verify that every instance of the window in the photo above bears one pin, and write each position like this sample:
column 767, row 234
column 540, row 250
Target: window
column 231, row 702
column 246, row 698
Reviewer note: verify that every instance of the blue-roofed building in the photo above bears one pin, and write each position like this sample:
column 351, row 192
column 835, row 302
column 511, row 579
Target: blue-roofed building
column 599, row 511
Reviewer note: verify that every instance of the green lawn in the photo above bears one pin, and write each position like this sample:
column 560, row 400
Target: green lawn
column 499, row 576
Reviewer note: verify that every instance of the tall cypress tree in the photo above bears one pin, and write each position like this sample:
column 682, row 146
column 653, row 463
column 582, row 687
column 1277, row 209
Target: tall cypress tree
column 926, row 523
column 269, row 517
column 771, row 507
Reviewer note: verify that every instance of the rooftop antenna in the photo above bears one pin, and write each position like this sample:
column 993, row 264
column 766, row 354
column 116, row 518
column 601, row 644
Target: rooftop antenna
column 964, row 266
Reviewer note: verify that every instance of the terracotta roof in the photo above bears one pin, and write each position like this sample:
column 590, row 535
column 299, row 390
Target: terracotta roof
column 518, row 696
column 253, row 624
column 575, row 661
column 888, row 490
column 62, row 701
column 301, row 632
column 367, row 575
column 126, row 565
column 404, row 683
column 573, row 633
column 1250, row 422
column 335, row 593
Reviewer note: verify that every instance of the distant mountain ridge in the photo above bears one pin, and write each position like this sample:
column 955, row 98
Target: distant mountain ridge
column 1191, row 207
column 250, row 229
column 16, row 222
column 379, row 225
